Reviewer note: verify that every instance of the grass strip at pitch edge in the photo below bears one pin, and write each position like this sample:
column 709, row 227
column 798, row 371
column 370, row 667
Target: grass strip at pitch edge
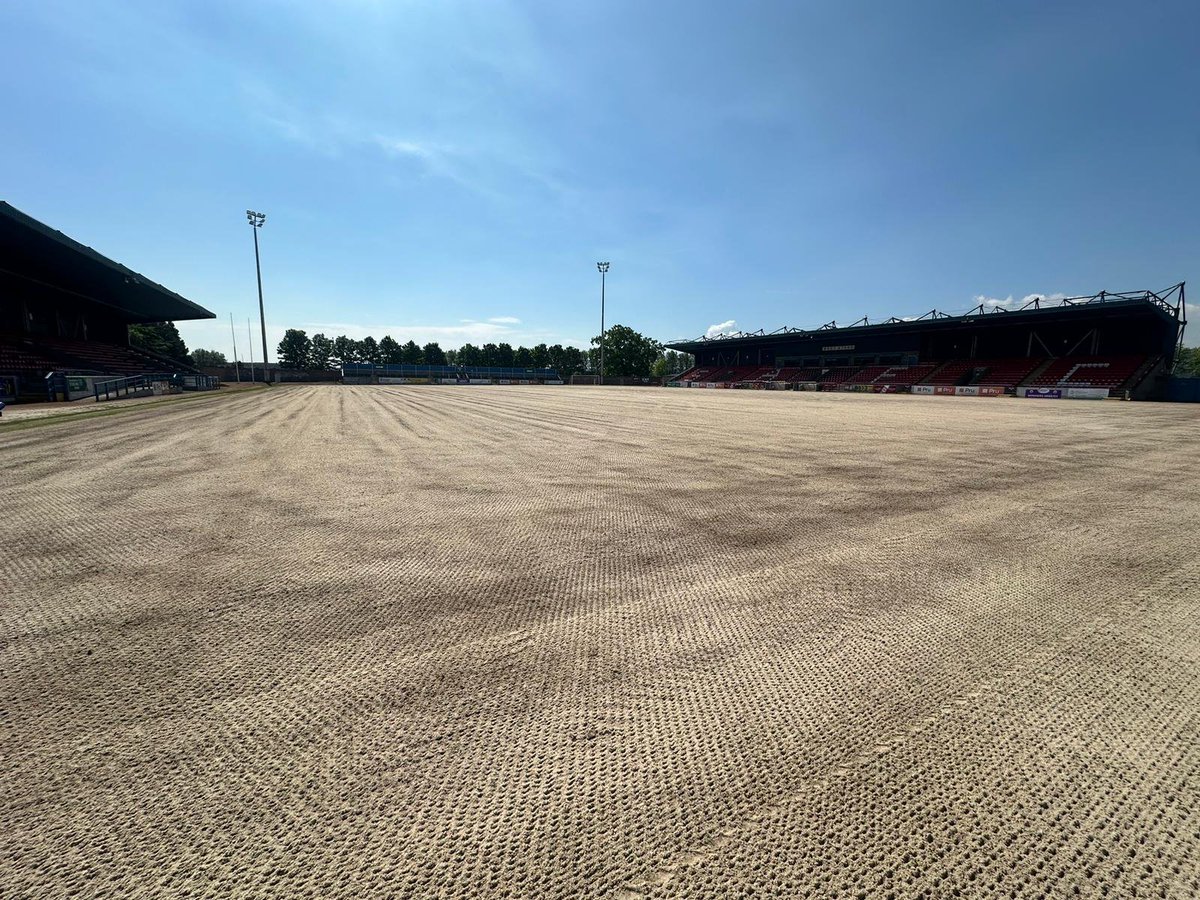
column 22, row 424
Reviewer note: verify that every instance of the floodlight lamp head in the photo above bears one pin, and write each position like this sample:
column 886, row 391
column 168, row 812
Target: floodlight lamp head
column 602, row 266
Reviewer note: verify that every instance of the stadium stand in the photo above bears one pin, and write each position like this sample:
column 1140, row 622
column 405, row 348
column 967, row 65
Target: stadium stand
column 1089, row 371
column 67, row 311
column 19, row 356
column 836, row 375
column 1007, row 373
column 865, row 375
column 757, row 373
column 953, row 371
column 802, row 375
column 907, row 375
column 1125, row 342
column 993, row 372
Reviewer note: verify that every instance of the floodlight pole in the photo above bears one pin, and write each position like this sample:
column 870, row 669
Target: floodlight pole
column 236, row 368
column 603, row 267
column 250, row 343
column 256, row 220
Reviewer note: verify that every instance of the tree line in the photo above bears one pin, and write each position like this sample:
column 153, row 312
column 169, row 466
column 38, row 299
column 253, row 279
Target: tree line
column 626, row 352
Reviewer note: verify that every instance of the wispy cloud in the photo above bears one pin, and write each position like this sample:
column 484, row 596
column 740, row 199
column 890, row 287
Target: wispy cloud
column 439, row 160
column 729, row 325
column 505, row 320
column 496, row 166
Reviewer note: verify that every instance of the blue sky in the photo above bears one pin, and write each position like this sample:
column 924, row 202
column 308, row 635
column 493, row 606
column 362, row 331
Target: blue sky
column 451, row 171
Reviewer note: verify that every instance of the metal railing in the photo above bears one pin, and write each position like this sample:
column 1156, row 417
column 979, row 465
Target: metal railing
column 115, row 388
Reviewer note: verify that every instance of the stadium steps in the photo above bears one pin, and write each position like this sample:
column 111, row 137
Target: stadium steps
column 933, row 374
column 837, row 375
column 1006, row 373
column 905, row 375
column 1090, row 371
column 161, row 363
column 1144, row 371
column 1036, row 373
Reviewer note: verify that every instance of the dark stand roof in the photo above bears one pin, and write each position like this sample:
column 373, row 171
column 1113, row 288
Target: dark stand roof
column 1139, row 302
column 35, row 252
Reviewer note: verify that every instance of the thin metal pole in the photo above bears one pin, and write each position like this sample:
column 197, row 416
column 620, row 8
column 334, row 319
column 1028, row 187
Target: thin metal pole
column 251, row 338
column 602, row 327
column 236, row 368
column 262, row 316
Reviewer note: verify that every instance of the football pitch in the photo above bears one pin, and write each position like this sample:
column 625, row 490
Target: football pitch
column 562, row 642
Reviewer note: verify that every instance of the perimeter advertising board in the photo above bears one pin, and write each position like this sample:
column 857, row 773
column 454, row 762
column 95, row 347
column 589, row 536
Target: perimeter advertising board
column 1043, row 393
column 922, row 388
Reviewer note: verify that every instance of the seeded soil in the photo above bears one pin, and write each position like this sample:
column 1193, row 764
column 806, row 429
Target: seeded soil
column 565, row 642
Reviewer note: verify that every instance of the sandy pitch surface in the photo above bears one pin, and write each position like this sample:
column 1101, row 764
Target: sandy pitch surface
column 348, row 642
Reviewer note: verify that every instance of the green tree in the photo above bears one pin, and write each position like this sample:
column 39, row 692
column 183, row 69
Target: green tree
column 626, row 352
column 320, row 352
column 489, row 353
column 434, row 355
column 411, row 354
column 523, row 358
column 294, row 350
column 470, row 355
column 451, row 357
column 368, row 350
column 675, row 362
column 541, row 356
column 389, row 351
column 345, row 350
column 504, row 355
column 565, row 360
column 660, row 367
column 161, row 338
column 202, row 357
column 1187, row 362
column 573, row 361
